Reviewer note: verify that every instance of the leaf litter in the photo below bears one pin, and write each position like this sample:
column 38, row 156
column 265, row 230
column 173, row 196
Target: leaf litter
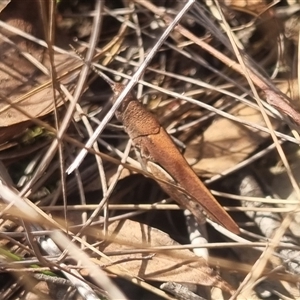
column 196, row 95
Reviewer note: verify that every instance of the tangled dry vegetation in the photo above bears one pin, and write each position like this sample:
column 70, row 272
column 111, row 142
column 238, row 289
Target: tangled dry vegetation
column 223, row 84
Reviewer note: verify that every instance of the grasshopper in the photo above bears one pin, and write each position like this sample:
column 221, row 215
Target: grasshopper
column 161, row 157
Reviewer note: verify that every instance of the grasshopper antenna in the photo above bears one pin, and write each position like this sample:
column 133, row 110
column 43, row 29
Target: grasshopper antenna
column 124, row 91
column 109, row 81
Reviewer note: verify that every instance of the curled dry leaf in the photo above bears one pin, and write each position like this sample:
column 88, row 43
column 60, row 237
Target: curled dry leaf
column 253, row 4
column 166, row 265
column 37, row 101
column 3, row 4
column 16, row 71
column 226, row 143
column 21, row 81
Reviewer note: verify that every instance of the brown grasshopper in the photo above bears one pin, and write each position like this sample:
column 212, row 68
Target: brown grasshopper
column 160, row 155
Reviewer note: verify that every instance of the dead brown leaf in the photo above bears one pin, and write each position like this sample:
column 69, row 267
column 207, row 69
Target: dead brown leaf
column 165, row 265
column 22, row 84
column 253, row 5
column 3, row 4
column 226, row 143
